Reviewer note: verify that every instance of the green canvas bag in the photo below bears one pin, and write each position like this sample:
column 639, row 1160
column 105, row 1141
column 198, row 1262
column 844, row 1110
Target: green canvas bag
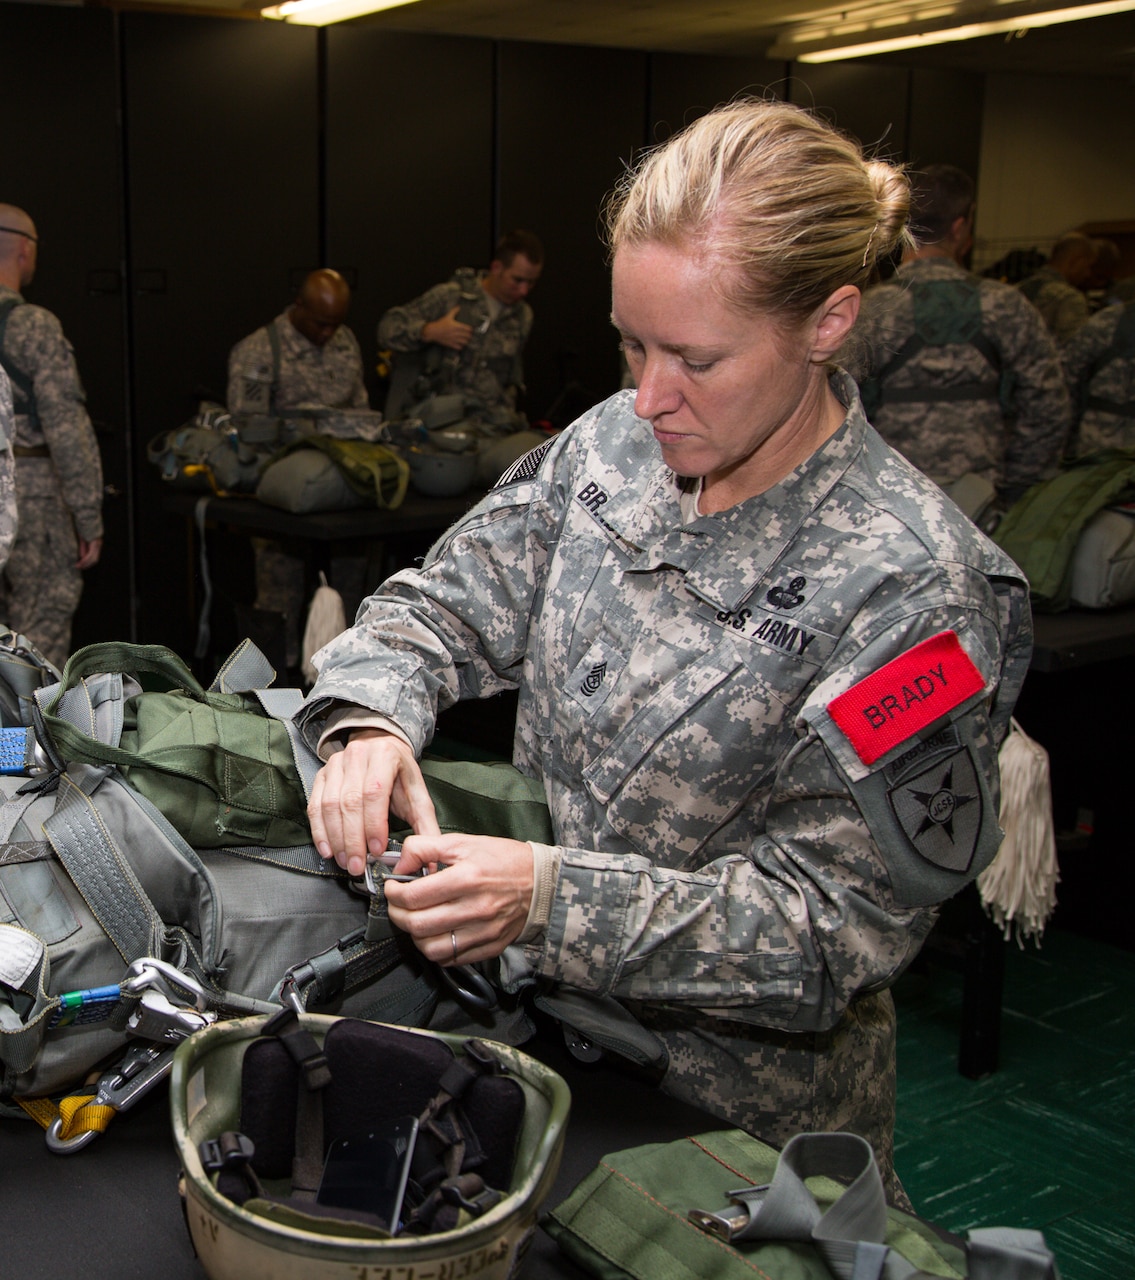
column 213, row 762
column 1040, row 531
column 724, row 1206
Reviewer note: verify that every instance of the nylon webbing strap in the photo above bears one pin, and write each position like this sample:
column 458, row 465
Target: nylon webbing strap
column 1125, row 410
column 277, row 357
column 293, row 857
column 282, row 704
column 1006, row 1253
column 102, row 875
column 933, row 395
column 247, row 669
column 787, row 1210
column 204, row 627
column 23, row 387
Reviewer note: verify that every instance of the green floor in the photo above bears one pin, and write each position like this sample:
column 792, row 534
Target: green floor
column 1048, row 1141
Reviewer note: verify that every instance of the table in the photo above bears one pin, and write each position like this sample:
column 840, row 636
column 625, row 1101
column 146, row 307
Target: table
column 415, row 516
column 112, row 1211
column 1081, row 637
column 403, row 534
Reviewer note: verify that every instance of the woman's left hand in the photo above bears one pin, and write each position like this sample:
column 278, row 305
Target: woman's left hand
column 478, row 896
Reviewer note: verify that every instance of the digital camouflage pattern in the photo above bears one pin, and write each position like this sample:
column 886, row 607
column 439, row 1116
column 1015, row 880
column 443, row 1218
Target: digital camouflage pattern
column 59, row 495
column 1063, row 307
column 946, row 439
column 330, row 376
column 731, row 868
column 8, row 509
column 488, row 370
column 1103, row 384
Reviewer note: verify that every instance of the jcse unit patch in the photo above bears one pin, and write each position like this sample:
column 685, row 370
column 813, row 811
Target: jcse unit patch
column 940, row 809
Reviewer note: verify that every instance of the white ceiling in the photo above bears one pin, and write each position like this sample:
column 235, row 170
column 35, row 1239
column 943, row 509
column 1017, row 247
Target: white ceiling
column 745, row 28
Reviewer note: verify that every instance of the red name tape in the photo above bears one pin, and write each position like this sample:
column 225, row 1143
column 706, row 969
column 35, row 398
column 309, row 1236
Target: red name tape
column 895, row 702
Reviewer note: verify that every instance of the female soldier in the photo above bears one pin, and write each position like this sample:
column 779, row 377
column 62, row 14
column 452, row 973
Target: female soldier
column 763, row 665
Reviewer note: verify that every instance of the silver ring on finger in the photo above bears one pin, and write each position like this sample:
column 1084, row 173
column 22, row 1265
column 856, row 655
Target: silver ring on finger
column 453, row 940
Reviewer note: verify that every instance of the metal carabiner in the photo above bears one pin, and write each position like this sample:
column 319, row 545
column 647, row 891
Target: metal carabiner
column 140, row 1070
column 467, row 984
column 148, row 971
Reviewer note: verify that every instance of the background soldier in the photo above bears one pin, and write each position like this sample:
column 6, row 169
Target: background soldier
column 305, row 358
column 1099, row 363
column 58, row 469
column 1057, row 289
column 957, row 372
column 467, row 335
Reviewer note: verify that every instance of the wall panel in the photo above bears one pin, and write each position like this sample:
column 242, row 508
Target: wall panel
column 409, row 170
column 222, row 161
column 686, row 86
column 870, row 102
column 570, row 118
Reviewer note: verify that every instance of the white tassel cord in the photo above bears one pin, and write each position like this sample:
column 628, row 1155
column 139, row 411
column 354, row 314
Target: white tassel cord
column 325, row 620
column 1018, row 888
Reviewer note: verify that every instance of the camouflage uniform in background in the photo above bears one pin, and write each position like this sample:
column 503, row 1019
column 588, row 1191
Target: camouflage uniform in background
column 1099, row 363
column 59, row 484
column 732, row 870
column 949, row 438
column 331, row 377
column 488, row 369
column 1063, row 306
column 8, row 512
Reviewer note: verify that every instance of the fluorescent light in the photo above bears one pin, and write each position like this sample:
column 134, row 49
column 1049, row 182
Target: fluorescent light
column 793, row 43
column 320, row 13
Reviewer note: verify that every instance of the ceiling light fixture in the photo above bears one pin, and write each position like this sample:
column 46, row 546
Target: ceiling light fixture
column 321, row 13
column 805, row 43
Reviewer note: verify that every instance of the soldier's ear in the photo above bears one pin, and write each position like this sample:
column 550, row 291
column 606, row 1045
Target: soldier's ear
column 832, row 321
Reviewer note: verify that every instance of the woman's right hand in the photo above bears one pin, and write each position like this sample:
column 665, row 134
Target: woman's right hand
column 355, row 792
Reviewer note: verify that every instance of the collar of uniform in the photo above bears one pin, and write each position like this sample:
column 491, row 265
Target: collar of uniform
column 930, row 269
column 724, row 556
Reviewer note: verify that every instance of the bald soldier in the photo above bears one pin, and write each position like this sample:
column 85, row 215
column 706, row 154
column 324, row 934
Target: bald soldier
column 306, row 357
column 59, row 483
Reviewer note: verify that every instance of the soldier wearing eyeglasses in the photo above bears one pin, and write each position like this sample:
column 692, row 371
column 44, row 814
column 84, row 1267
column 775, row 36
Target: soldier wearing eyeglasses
column 59, row 481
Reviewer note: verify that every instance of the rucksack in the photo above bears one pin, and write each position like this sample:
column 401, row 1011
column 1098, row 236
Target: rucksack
column 1042, row 530
column 118, row 937
column 946, row 313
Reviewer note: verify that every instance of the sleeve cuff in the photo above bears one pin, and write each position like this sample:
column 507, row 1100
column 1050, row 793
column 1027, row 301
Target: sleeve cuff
column 545, row 873
column 340, row 723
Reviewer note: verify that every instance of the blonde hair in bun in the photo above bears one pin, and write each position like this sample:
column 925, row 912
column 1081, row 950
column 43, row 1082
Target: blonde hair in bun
column 788, row 207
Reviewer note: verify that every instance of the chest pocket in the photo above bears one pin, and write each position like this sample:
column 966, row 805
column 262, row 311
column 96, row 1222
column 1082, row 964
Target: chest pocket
column 698, row 749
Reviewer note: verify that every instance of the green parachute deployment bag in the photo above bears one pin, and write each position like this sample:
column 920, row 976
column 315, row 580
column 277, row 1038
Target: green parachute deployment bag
column 213, row 762
column 1040, row 531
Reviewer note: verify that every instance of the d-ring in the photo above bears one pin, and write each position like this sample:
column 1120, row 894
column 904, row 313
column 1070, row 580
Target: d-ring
column 453, row 939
